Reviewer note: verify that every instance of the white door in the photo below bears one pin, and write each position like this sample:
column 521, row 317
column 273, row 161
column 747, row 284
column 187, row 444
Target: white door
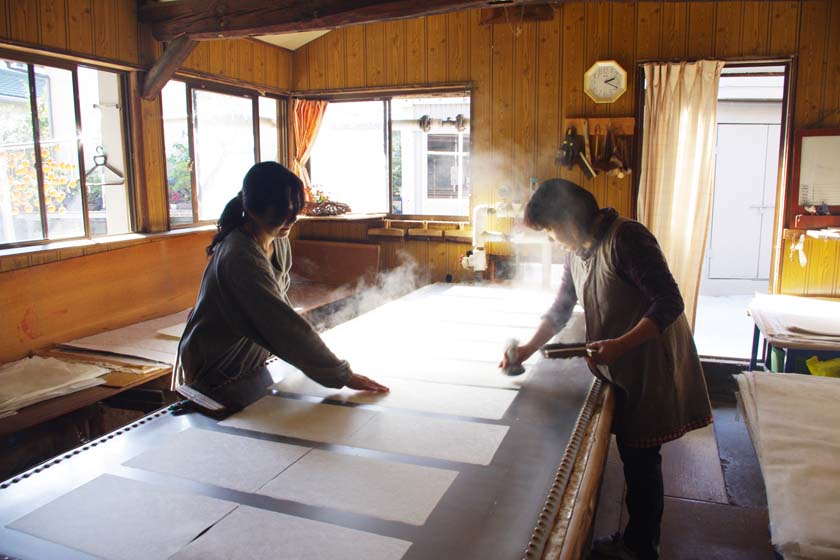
column 744, row 197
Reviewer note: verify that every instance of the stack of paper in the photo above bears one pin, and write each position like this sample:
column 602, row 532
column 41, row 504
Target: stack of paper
column 798, row 322
column 37, row 379
column 140, row 340
column 792, row 420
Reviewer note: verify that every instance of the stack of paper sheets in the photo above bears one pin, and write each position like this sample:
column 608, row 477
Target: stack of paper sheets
column 793, row 420
column 797, row 322
column 37, row 379
column 140, row 340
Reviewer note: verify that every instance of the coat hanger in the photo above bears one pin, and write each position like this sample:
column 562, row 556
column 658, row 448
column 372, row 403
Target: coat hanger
column 101, row 168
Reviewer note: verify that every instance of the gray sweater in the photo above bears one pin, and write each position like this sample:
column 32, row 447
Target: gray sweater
column 243, row 315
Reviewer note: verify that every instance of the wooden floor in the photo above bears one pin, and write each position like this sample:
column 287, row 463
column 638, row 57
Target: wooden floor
column 715, row 505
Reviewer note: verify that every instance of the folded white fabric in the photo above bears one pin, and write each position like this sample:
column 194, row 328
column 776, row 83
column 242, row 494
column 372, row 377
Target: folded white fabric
column 793, row 419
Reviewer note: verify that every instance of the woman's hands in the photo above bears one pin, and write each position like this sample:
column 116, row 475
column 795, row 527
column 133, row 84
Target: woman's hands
column 362, row 383
column 523, row 352
column 605, row 352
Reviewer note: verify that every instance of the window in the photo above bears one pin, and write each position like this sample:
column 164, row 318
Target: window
column 62, row 166
column 349, row 160
column 211, row 139
column 430, row 149
column 429, row 155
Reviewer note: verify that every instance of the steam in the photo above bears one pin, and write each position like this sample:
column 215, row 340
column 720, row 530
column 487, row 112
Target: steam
column 387, row 286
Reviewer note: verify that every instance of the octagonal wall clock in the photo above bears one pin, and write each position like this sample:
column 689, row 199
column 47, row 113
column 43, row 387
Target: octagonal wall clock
column 605, row 81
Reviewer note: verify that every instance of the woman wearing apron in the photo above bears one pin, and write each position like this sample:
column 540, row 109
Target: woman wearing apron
column 243, row 313
column 636, row 327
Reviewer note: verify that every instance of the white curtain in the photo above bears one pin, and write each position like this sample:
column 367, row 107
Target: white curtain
column 678, row 164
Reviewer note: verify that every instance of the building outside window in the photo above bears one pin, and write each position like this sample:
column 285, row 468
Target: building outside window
column 62, row 145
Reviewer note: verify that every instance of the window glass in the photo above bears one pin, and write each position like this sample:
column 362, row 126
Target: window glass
column 224, row 148
column 177, row 149
column 105, row 172
column 433, row 174
column 348, row 161
column 20, row 209
column 268, row 130
column 59, row 152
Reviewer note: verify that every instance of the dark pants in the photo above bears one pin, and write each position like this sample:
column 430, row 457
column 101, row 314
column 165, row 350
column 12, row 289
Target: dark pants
column 645, row 498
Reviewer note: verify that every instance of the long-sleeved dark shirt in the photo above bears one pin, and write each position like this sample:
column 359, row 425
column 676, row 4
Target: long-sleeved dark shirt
column 243, row 315
column 639, row 262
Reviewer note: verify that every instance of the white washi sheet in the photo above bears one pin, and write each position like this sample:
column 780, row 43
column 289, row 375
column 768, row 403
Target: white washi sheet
column 458, row 400
column 254, row 534
column 121, row 519
column 449, row 440
column 383, row 489
column 239, row 463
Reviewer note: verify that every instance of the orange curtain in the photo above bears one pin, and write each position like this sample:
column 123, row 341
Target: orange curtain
column 308, row 116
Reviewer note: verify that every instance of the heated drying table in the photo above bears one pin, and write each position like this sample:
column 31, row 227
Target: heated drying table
column 504, row 509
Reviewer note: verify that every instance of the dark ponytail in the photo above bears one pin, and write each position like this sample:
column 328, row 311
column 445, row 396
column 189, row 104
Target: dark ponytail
column 232, row 217
column 269, row 191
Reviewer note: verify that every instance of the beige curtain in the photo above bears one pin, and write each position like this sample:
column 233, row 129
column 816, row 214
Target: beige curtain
column 678, row 164
column 308, row 115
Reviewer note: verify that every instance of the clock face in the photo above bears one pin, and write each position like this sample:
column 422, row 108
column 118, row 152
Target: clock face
column 605, row 81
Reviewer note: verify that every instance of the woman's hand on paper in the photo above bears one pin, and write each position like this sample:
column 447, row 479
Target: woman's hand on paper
column 362, row 383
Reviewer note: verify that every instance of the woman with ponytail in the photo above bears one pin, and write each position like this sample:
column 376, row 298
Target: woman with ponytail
column 243, row 313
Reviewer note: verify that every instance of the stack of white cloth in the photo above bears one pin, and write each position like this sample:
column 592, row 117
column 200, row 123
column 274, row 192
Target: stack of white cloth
column 37, row 379
column 794, row 423
column 798, row 322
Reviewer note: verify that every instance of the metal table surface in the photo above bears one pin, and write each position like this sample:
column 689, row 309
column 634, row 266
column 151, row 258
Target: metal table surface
column 488, row 512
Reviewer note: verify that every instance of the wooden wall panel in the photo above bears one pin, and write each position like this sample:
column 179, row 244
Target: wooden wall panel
column 105, row 29
column 394, row 52
column 23, row 22
column 649, row 30
column 831, row 96
column 674, row 30
column 574, row 24
column 375, row 54
column 458, row 59
column 317, row 64
column 701, row 25
column 525, row 112
column 811, row 70
column 784, row 27
column 336, row 54
column 548, row 96
column 622, row 44
column 52, row 19
column 436, row 43
column 356, row 66
column 415, row 50
column 64, row 300
column 755, row 34
column 4, row 18
column 728, row 29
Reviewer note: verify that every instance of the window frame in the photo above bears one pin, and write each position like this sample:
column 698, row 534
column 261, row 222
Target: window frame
column 282, row 102
column 386, row 96
column 31, row 60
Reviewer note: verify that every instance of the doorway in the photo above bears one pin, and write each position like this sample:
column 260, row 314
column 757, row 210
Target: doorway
column 751, row 116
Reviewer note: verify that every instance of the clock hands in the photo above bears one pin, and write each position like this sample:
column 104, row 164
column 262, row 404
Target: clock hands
column 609, row 82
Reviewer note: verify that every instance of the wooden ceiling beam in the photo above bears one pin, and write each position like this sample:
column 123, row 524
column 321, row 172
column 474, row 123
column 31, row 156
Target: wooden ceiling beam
column 172, row 58
column 218, row 19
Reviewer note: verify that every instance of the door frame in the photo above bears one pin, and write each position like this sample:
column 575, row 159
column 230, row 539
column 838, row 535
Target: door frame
column 785, row 146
